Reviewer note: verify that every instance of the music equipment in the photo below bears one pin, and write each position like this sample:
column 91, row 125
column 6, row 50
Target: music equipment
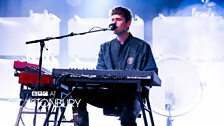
column 28, row 74
column 112, row 26
column 31, row 88
column 149, row 78
column 104, row 79
column 21, row 66
column 27, row 78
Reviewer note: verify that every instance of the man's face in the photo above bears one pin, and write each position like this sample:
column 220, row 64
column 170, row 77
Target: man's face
column 122, row 25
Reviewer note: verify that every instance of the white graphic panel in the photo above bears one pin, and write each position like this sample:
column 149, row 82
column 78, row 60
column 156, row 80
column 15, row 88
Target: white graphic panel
column 16, row 31
column 190, row 37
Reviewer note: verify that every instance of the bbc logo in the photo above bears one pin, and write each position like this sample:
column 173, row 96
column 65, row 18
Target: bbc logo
column 43, row 93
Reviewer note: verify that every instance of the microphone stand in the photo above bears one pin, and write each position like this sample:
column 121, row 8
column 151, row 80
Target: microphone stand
column 42, row 44
column 63, row 36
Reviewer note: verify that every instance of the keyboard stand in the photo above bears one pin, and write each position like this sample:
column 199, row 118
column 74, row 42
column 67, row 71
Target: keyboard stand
column 25, row 95
column 142, row 97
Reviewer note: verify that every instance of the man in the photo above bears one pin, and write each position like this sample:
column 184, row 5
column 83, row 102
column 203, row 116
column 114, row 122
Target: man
column 125, row 52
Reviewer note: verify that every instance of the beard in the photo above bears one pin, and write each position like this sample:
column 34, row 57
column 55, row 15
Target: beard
column 120, row 32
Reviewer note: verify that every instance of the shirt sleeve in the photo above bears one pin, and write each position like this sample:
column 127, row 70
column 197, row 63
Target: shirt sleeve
column 149, row 63
column 100, row 62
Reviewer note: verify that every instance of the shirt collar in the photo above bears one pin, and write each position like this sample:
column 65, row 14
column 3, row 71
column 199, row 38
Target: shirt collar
column 127, row 40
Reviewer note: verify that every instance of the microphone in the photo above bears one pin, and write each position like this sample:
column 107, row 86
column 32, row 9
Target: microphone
column 112, row 26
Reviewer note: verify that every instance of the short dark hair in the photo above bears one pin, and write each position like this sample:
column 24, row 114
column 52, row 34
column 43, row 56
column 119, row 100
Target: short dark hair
column 124, row 12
